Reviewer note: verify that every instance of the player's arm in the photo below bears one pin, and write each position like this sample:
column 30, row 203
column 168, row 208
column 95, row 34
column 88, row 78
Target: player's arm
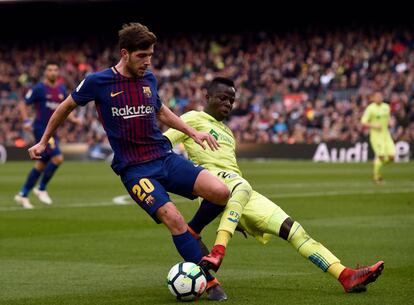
column 166, row 116
column 60, row 114
column 30, row 98
column 176, row 137
column 366, row 120
column 27, row 124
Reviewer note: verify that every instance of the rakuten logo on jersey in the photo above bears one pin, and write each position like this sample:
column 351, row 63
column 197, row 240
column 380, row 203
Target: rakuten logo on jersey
column 128, row 112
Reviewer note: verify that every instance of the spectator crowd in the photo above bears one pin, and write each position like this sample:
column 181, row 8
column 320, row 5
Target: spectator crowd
column 291, row 88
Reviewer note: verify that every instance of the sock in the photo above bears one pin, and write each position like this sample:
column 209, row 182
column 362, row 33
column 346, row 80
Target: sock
column 47, row 175
column 240, row 196
column 205, row 214
column 188, row 247
column 336, row 269
column 311, row 249
column 190, row 251
column 222, row 238
column 209, row 276
column 31, row 180
column 377, row 168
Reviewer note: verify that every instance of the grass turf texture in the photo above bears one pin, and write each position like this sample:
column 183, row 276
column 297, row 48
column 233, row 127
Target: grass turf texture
column 84, row 249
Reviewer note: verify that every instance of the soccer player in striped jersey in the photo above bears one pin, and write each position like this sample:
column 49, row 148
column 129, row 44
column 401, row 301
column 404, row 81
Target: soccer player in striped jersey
column 128, row 106
column 45, row 98
column 377, row 117
column 246, row 208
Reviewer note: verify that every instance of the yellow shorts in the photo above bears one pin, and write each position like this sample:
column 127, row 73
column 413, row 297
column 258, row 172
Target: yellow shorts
column 261, row 217
column 383, row 146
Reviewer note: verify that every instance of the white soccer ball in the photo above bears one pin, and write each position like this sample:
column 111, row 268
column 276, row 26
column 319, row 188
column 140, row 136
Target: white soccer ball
column 186, row 281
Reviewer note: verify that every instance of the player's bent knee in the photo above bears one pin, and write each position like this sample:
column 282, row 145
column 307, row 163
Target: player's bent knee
column 222, row 194
column 57, row 159
column 243, row 186
column 40, row 166
column 211, row 188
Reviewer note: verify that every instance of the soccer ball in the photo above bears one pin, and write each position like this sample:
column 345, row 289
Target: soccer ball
column 186, row 281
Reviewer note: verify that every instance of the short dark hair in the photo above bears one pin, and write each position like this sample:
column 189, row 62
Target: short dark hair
column 135, row 36
column 212, row 86
column 51, row 62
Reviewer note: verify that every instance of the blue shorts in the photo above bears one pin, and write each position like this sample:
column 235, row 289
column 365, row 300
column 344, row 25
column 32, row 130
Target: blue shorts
column 149, row 182
column 52, row 148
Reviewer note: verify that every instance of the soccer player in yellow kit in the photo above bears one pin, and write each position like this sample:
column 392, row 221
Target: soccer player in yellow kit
column 376, row 117
column 246, row 208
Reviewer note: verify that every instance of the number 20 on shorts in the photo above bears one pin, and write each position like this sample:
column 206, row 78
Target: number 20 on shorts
column 142, row 189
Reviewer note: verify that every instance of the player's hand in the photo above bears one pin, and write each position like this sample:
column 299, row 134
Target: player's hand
column 36, row 150
column 376, row 126
column 200, row 137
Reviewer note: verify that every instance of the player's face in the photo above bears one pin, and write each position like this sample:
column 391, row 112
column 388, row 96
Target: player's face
column 221, row 102
column 51, row 73
column 377, row 98
column 138, row 62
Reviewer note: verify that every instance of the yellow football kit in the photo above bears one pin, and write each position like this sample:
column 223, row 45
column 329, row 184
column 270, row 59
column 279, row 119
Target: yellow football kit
column 380, row 138
column 260, row 217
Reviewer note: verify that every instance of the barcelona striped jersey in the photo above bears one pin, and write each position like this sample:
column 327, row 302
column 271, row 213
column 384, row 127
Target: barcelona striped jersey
column 127, row 109
column 45, row 100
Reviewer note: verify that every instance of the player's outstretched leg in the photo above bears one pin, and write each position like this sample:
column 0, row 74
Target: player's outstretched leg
column 353, row 280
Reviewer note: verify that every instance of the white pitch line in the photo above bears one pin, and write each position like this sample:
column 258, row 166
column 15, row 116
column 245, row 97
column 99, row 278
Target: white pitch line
column 57, row 206
column 122, row 200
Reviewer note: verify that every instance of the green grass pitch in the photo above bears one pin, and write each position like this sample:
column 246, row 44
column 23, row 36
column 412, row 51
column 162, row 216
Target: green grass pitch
column 85, row 249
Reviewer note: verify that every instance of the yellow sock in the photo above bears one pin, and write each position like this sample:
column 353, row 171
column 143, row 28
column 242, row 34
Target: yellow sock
column 223, row 238
column 311, row 249
column 234, row 208
column 336, row 269
column 377, row 168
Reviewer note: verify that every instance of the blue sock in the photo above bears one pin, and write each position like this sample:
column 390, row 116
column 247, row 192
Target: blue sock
column 205, row 214
column 31, row 180
column 49, row 171
column 188, row 247
column 190, row 250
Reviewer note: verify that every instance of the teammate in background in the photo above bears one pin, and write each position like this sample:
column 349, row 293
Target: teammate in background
column 128, row 105
column 45, row 97
column 376, row 117
column 254, row 213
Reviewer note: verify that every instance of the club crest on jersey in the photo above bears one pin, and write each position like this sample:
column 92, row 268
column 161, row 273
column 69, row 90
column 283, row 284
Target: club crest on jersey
column 214, row 134
column 147, row 91
column 150, row 200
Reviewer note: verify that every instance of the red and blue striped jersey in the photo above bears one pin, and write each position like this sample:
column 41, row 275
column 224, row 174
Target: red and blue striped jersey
column 127, row 109
column 45, row 100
